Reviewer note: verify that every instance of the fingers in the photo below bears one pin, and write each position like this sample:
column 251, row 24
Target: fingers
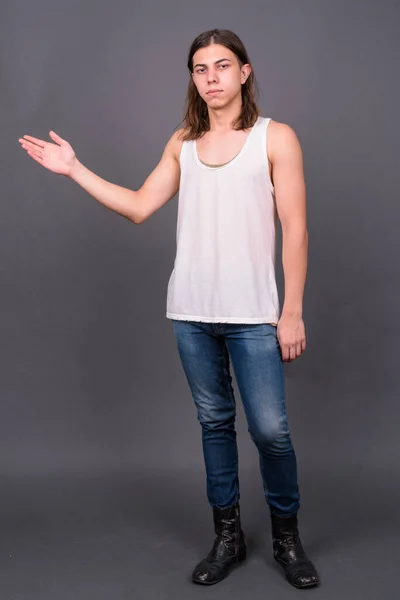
column 29, row 146
column 286, row 352
column 36, row 157
column 33, row 150
column 56, row 138
column 40, row 143
column 291, row 352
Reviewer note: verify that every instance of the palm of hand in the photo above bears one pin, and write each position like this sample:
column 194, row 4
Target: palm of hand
column 58, row 157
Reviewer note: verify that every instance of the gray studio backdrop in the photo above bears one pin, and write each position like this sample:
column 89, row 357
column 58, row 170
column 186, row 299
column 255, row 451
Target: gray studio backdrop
column 90, row 380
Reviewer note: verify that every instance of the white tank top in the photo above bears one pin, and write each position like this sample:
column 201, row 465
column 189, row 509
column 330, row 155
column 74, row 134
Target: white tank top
column 224, row 269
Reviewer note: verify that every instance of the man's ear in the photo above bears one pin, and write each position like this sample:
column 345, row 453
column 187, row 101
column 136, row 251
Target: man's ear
column 246, row 70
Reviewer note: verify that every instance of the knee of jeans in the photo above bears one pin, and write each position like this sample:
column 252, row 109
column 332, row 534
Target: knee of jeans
column 272, row 435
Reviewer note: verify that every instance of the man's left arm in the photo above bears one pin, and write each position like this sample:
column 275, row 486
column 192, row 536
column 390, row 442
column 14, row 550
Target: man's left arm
column 290, row 194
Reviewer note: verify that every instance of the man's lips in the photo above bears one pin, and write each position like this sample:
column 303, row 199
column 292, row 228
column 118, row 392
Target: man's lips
column 211, row 92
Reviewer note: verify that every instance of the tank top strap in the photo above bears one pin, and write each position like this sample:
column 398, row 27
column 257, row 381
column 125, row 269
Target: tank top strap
column 258, row 141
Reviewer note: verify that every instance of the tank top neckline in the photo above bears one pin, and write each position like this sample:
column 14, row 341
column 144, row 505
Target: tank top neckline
column 234, row 159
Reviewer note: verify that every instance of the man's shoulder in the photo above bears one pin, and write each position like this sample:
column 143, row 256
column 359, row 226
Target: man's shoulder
column 280, row 136
column 279, row 129
column 175, row 142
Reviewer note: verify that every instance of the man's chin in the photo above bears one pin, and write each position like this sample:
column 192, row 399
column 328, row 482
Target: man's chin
column 216, row 101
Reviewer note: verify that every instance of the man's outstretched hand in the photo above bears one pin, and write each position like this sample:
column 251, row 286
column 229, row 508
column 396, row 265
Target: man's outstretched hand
column 58, row 157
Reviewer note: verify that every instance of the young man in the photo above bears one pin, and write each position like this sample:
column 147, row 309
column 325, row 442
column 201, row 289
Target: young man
column 236, row 172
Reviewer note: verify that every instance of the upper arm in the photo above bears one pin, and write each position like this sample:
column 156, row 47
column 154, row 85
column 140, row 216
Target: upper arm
column 288, row 176
column 163, row 183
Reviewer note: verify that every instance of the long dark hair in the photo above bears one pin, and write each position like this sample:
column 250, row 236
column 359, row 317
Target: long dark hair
column 196, row 119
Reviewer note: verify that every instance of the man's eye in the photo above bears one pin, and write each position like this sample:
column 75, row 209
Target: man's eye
column 223, row 65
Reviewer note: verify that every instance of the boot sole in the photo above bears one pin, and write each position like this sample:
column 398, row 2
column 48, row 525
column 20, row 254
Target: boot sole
column 299, row 587
column 241, row 558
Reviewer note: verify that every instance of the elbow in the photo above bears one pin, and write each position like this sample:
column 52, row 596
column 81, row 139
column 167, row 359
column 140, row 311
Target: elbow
column 133, row 218
column 136, row 213
column 138, row 218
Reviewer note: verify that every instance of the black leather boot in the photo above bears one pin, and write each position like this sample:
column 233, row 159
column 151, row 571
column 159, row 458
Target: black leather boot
column 229, row 547
column 289, row 552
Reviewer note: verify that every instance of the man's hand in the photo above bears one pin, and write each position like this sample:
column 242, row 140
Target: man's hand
column 58, row 157
column 291, row 336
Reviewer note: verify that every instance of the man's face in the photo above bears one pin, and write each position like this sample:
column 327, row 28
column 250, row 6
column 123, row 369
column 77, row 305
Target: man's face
column 217, row 68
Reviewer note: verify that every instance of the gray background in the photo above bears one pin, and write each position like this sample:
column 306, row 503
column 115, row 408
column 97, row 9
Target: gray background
column 103, row 483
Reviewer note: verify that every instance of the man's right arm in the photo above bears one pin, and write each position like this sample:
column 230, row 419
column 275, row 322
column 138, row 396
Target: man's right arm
column 137, row 206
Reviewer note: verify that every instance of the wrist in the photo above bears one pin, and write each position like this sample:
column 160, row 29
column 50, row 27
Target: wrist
column 75, row 168
column 292, row 313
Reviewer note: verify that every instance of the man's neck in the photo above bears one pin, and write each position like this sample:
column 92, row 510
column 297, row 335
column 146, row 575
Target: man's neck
column 221, row 120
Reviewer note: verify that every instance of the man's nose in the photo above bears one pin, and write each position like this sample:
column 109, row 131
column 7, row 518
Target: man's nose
column 212, row 76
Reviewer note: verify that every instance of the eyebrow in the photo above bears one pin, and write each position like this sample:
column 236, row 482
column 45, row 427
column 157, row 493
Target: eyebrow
column 216, row 62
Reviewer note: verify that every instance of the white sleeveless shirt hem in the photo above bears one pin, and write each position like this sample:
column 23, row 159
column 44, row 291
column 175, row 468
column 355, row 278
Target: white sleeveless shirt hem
column 270, row 320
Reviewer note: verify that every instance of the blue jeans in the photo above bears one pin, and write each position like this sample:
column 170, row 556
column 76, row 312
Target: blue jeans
column 205, row 350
